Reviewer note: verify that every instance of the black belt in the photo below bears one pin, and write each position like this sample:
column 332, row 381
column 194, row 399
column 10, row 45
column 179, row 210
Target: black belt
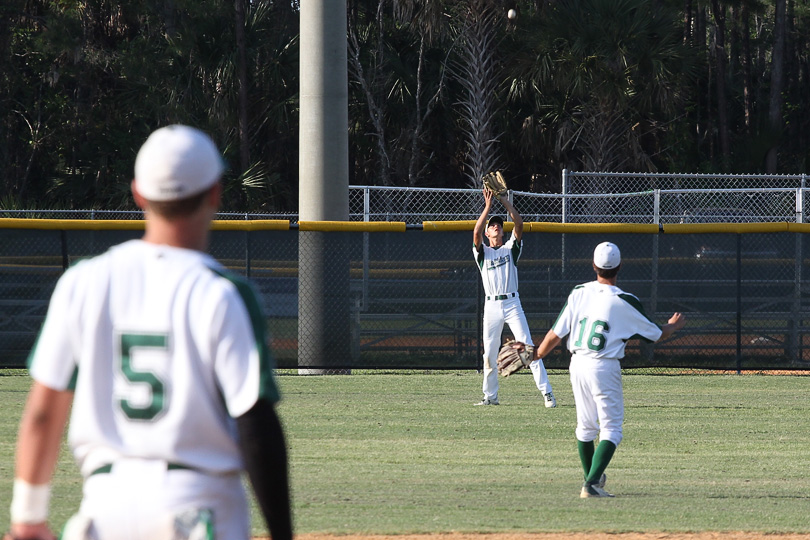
column 104, row 469
column 502, row 296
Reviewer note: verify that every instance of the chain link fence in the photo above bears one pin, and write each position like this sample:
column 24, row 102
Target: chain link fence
column 578, row 182
column 413, row 299
column 585, row 198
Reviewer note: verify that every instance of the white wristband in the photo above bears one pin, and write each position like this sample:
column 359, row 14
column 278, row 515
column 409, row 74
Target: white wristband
column 29, row 503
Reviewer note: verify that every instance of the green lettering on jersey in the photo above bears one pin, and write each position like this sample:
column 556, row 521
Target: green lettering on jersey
column 156, row 386
column 596, row 337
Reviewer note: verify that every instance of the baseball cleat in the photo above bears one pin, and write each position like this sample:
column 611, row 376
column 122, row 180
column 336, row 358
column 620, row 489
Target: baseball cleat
column 593, row 491
column 550, row 401
column 486, row 401
column 602, row 481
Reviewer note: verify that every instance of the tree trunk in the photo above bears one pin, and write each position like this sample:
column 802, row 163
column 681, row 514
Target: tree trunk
column 687, row 21
column 702, row 101
column 376, row 104
column 417, row 163
column 170, row 18
column 745, row 21
column 414, row 163
column 720, row 77
column 242, row 99
column 777, row 85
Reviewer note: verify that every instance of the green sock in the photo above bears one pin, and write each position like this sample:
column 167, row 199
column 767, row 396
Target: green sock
column 601, row 458
column 586, row 455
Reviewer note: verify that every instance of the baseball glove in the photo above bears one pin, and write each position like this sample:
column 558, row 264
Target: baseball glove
column 495, row 182
column 511, row 360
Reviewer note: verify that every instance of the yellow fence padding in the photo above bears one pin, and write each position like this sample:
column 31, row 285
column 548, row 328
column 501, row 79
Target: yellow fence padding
column 798, row 227
column 461, row 225
column 648, row 228
column 256, row 225
column 358, row 226
column 735, row 228
column 400, row 226
column 72, row 224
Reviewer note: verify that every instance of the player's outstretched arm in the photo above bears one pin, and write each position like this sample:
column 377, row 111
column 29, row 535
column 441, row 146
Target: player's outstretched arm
column 550, row 341
column 264, row 451
column 481, row 224
column 675, row 323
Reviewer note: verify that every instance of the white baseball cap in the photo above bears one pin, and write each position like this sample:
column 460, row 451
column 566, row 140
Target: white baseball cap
column 176, row 162
column 607, row 256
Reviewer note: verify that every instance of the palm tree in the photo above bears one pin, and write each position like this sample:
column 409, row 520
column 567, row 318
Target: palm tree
column 478, row 70
column 401, row 89
column 605, row 76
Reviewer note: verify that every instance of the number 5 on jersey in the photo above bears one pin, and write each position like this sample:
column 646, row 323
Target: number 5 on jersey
column 128, row 343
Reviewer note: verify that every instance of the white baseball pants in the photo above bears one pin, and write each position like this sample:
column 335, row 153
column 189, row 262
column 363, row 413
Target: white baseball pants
column 599, row 398
column 496, row 314
column 142, row 500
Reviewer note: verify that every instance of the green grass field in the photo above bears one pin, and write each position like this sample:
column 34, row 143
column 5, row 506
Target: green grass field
column 408, row 453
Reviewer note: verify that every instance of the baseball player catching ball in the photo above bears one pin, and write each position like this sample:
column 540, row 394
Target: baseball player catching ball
column 497, row 264
column 163, row 355
column 599, row 318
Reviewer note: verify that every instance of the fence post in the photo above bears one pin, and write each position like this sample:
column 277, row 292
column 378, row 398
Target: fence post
column 366, row 250
column 248, row 253
column 657, row 206
column 655, row 261
column 739, row 303
column 564, row 195
column 366, row 203
column 794, row 347
column 563, row 217
column 796, row 341
column 65, row 254
column 511, row 196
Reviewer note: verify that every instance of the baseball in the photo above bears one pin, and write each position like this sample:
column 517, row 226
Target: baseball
column 511, row 13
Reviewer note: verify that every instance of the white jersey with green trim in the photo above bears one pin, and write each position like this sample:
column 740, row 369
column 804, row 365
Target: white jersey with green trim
column 601, row 318
column 498, row 266
column 163, row 349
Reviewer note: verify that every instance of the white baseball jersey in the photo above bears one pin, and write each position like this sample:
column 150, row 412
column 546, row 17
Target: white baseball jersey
column 498, row 266
column 601, row 318
column 163, row 348
column 500, row 277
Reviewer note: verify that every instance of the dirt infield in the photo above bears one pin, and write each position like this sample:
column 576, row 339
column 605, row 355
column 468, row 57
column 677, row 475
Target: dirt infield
column 726, row 535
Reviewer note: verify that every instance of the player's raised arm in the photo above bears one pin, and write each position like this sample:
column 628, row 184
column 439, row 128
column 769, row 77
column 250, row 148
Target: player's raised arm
column 515, row 215
column 481, row 224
